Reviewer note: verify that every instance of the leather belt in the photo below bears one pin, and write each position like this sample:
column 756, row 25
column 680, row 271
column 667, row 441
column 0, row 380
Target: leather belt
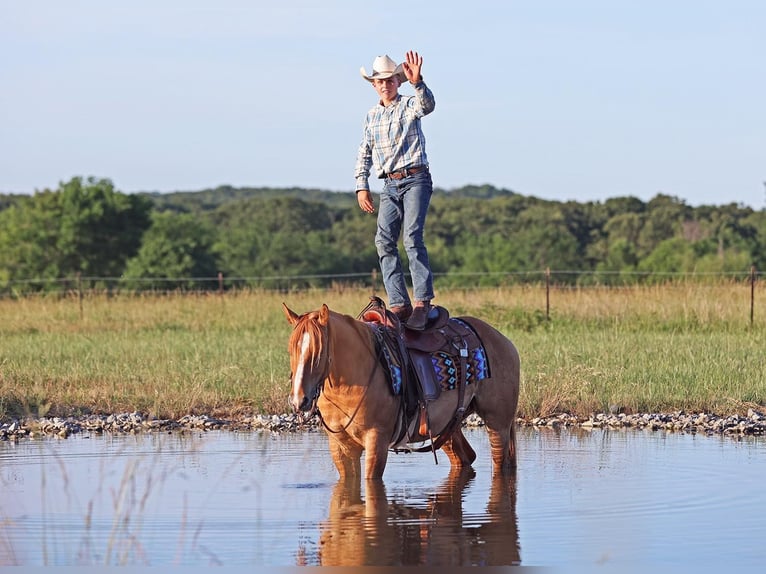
column 402, row 173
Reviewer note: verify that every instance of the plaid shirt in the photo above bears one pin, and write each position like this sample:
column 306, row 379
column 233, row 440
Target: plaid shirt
column 392, row 138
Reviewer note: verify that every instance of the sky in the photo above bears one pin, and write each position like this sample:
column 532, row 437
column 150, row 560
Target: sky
column 556, row 99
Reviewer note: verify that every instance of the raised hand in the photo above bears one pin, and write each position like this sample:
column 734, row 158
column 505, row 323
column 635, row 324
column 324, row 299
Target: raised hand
column 412, row 64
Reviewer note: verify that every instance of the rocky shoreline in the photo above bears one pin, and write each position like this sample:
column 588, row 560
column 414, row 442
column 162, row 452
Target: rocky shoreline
column 753, row 423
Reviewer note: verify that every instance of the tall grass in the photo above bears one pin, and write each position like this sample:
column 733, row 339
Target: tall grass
column 638, row 349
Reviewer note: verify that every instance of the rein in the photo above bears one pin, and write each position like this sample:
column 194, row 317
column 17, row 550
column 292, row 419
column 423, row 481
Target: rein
column 379, row 359
column 353, row 415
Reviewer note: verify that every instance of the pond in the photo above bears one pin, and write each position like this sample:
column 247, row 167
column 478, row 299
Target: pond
column 580, row 498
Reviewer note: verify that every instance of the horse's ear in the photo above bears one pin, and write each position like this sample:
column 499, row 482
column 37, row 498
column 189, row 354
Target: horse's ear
column 324, row 314
column 292, row 317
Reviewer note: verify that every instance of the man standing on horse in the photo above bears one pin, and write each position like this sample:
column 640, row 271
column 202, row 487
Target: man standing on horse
column 394, row 142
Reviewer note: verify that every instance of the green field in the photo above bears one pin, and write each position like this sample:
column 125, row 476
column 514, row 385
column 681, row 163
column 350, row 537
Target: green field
column 642, row 349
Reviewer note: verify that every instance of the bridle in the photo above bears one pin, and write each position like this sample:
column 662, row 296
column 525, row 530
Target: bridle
column 306, row 415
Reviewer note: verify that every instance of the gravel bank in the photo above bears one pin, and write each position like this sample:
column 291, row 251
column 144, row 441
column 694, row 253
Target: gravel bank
column 754, row 423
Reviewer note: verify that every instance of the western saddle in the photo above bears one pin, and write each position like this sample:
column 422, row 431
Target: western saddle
column 414, row 349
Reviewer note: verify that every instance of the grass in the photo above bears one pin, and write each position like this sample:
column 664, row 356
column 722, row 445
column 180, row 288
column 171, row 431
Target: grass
column 677, row 346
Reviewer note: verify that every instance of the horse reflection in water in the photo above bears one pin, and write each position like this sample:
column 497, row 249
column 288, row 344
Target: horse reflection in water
column 376, row 532
column 337, row 368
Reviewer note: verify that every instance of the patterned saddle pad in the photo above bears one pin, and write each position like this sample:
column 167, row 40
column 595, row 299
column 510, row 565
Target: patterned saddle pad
column 445, row 365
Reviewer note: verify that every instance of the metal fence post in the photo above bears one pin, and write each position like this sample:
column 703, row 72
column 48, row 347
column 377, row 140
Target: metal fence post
column 79, row 292
column 548, row 293
column 752, row 294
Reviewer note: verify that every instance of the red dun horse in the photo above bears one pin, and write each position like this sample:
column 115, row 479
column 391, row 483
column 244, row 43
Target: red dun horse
column 375, row 530
column 336, row 368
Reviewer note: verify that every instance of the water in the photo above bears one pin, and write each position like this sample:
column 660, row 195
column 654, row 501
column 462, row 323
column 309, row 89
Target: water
column 581, row 498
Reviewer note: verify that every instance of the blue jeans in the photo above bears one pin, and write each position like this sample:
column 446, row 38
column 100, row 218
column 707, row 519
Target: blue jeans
column 403, row 207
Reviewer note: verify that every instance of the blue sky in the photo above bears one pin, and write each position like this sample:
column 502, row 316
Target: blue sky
column 561, row 100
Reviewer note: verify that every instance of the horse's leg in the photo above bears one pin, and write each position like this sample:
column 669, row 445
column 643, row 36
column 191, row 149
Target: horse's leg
column 497, row 406
column 375, row 499
column 458, row 450
column 376, row 454
column 501, row 428
column 347, row 457
column 502, row 443
column 448, row 499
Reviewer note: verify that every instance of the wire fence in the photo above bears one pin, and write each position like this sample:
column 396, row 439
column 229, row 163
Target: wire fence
column 82, row 286
column 293, row 282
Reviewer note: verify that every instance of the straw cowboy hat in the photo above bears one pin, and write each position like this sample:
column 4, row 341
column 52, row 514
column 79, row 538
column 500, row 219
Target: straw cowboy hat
column 384, row 67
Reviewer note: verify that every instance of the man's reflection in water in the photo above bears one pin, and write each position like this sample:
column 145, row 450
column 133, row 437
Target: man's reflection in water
column 376, row 532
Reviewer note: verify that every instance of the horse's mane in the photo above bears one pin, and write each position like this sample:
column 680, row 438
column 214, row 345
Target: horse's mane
column 308, row 324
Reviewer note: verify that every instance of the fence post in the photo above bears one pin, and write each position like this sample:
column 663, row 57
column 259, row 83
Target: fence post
column 547, row 293
column 79, row 292
column 374, row 280
column 752, row 294
column 220, row 283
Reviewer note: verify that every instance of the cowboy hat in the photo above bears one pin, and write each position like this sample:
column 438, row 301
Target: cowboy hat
column 383, row 67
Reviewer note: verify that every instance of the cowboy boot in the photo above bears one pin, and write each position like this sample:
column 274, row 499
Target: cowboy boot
column 419, row 317
column 403, row 312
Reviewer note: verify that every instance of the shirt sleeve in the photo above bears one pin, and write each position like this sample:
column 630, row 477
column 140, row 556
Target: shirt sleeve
column 364, row 159
column 424, row 100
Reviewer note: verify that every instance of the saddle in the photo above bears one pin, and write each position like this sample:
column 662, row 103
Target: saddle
column 449, row 338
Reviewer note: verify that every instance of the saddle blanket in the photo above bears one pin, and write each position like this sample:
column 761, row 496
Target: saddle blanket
column 446, row 365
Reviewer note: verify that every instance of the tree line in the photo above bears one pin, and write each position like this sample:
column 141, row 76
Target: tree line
column 88, row 228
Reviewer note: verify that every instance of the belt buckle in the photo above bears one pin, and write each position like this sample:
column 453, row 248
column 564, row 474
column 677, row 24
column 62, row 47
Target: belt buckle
column 405, row 172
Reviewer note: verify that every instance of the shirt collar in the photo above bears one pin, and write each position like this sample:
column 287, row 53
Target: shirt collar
column 394, row 101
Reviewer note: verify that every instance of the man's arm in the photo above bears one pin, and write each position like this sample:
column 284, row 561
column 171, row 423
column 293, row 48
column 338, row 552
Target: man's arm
column 424, row 98
column 362, row 172
column 363, row 160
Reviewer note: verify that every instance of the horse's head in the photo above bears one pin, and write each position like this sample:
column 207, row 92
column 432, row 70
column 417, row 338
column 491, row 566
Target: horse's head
column 309, row 356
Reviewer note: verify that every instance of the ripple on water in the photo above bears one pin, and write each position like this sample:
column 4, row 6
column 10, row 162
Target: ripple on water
column 220, row 497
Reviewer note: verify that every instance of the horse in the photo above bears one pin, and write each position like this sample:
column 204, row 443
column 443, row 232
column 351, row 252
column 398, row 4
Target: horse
column 371, row 529
column 336, row 369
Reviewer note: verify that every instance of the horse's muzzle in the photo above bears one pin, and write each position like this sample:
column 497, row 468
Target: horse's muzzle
column 306, row 405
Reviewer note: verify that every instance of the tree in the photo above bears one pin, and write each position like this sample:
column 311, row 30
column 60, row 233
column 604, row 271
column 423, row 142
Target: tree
column 757, row 222
column 83, row 227
column 664, row 219
column 177, row 247
column 354, row 235
column 6, row 200
column 674, row 255
column 28, row 240
column 279, row 237
column 618, row 265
